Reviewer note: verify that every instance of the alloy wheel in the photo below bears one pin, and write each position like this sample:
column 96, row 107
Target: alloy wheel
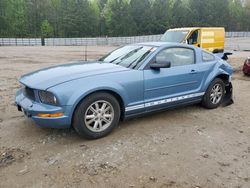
column 216, row 94
column 99, row 116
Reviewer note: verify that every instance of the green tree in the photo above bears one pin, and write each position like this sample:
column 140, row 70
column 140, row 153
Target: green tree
column 209, row 13
column 218, row 13
column 83, row 18
column 247, row 15
column 18, row 17
column 36, row 13
column 46, row 29
column 143, row 16
column 53, row 14
column 181, row 16
column 236, row 15
column 199, row 13
column 162, row 16
column 4, row 22
column 79, row 18
column 118, row 20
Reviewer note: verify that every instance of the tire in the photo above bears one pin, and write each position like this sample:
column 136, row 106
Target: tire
column 92, row 119
column 213, row 99
column 246, row 74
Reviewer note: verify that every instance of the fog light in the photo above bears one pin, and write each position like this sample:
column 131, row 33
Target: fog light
column 59, row 114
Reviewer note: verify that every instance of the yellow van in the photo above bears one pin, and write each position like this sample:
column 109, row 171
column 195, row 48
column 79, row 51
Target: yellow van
column 211, row 39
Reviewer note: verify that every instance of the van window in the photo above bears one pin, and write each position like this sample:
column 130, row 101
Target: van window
column 207, row 56
column 193, row 39
column 174, row 36
column 177, row 56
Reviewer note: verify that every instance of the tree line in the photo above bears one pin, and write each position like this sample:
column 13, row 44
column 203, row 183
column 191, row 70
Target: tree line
column 89, row 18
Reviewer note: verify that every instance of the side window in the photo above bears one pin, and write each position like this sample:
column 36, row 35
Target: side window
column 207, row 56
column 193, row 39
column 177, row 56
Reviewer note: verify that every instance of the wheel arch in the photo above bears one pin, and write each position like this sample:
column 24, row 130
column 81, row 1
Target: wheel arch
column 224, row 77
column 113, row 93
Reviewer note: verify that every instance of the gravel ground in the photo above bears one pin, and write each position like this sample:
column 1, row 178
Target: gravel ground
column 189, row 147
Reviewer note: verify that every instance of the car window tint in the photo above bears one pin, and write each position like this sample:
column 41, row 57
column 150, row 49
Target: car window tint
column 177, row 56
column 207, row 56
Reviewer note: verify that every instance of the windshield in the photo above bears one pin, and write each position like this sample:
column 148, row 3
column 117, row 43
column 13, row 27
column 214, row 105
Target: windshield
column 174, row 36
column 128, row 56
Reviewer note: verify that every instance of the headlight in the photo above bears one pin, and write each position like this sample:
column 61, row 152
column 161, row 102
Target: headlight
column 47, row 97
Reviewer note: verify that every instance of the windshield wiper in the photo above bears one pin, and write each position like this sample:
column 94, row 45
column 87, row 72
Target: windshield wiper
column 142, row 57
column 131, row 63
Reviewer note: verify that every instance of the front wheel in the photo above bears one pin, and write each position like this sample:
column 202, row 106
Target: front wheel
column 96, row 115
column 214, row 94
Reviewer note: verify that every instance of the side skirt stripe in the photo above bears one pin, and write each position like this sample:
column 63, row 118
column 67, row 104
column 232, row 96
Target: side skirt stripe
column 164, row 101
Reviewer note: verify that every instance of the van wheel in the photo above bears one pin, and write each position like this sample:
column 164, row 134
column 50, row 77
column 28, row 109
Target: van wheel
column 214, row 94
column 96, row 115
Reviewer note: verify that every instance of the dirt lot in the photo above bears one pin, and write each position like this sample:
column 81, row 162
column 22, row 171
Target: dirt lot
column 189, row 147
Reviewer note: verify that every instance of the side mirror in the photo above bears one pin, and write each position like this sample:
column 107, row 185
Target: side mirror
column 159, row 65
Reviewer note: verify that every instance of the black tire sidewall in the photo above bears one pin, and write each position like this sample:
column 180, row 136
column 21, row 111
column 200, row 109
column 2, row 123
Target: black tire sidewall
column 78, row 119
column 206, row 99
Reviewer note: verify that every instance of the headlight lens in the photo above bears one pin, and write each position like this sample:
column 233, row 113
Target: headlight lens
column 47, row 97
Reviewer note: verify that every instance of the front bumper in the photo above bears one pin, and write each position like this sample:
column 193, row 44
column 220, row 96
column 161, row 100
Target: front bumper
column 32, row 108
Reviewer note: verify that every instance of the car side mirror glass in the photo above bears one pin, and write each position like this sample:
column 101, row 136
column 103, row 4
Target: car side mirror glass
column 160, row 64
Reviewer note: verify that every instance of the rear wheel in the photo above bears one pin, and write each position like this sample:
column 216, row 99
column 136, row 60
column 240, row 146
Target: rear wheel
column 214, row 94
column 96, row 115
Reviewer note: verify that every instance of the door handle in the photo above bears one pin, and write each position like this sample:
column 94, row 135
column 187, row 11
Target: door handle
column 193, row 71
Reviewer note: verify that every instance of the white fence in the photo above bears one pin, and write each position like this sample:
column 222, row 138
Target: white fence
column 20, row 42
column 93, row 41
column 100, row 40
column 237, row 34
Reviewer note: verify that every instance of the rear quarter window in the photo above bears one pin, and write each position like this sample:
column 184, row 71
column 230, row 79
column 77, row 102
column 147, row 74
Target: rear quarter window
column 207, row 56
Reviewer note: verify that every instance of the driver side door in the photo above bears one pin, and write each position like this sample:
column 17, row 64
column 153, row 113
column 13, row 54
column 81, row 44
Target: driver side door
column 166, row 86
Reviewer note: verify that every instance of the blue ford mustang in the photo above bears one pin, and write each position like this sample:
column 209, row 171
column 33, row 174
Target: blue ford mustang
column 130, row 81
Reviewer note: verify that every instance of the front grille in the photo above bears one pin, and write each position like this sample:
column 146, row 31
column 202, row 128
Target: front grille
column 29, row 93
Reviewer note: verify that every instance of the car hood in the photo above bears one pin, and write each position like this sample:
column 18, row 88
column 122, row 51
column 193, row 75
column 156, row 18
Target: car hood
column 49, row 77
